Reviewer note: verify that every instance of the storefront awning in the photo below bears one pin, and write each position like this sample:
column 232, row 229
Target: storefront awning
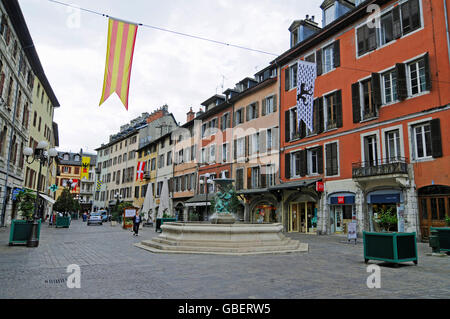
column 199, row 200
column 294, row 185
column 385, row 199
column 47, row 198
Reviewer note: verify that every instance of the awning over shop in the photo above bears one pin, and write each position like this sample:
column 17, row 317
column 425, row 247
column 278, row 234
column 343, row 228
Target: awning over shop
column 385, row 198
column 199, row 200
column 342, row 199
column 47, row 198
column 294, row 185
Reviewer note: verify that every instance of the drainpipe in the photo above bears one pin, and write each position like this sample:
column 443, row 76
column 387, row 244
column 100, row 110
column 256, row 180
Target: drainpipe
column 447, row 29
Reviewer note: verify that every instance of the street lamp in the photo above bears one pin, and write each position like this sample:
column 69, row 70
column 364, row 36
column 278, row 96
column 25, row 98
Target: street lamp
column 40, row 154
column 206, row 180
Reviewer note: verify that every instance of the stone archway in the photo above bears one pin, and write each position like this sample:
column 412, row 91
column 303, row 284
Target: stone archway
column 266, row 199
column 305, row 195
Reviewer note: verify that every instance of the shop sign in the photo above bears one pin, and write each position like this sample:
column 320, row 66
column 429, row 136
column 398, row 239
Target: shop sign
column 320, row 186
column 352, row 231
column 341, row 200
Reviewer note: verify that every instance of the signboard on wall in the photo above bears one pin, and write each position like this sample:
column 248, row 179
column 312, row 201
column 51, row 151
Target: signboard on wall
column 341, row 200
column 320, row 186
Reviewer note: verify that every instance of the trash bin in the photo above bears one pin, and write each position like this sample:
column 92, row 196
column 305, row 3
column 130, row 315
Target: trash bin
column 440, row 239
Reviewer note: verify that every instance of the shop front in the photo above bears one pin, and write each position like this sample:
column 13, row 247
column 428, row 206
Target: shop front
column 386, row 202
column 434, row 206
column 303, row 217
column 342, row 212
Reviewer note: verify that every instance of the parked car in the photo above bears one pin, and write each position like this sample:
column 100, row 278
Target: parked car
column 95, row 218
column 105, row 215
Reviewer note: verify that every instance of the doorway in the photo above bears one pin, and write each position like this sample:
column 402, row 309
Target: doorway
column 303, row 217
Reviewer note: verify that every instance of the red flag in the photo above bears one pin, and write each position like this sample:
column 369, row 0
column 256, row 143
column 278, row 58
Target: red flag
column 140, row 171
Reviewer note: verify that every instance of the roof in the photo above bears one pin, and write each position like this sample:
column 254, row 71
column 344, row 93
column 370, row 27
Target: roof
column 20, row 27
column 72, row 160
column 213, row 98
column 330, row 30
column 156, row 140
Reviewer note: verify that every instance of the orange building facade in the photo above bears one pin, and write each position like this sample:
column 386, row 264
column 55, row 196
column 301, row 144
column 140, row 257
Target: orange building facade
column 381, row 113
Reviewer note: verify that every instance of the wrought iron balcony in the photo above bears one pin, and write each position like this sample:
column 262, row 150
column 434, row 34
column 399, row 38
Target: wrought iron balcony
column 386, row 166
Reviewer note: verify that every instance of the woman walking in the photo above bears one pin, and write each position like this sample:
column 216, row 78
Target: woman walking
column 136, row 223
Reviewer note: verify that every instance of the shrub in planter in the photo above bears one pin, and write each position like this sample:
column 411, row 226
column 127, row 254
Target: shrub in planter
column 447, row 220
column 386, row 219
column 26, row 199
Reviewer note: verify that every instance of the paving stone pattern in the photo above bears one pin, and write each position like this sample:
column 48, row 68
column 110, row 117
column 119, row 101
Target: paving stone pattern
column 111, row 267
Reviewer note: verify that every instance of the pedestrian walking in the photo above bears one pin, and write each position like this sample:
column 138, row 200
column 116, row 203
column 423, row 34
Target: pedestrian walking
column 136, row 223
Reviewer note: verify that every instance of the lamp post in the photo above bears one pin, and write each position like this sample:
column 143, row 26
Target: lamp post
column 41, row 155
column 206, row 180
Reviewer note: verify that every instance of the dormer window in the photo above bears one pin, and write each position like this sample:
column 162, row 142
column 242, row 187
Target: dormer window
column 294, row 37
column 329, row 15
column 66, row 157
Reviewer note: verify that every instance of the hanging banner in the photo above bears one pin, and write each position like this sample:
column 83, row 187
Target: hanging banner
column 119, row 60
column 140, row 171
column 306, row 77
column 85, row 164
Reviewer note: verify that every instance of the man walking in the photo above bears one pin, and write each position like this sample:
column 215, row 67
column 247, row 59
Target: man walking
column 136, row 223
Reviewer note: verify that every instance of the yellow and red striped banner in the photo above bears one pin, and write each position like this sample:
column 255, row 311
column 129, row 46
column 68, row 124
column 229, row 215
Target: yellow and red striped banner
column 119, row 59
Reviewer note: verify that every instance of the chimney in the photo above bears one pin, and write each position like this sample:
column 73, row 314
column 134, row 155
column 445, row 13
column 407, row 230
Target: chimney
column 190, row 115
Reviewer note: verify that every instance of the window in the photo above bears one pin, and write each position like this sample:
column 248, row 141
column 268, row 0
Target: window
column 225, row 121
column 368, row 99
column 295, row 163
column 241, row 147
column 328, row 59
column 417, row 76
column 390, row 87
column 252, row 111
column 313, row 161
column 224, row 153
column 329, row 15
column 212, row 153
column 203, row 155
column 255, row 143
column 366, row 39
column 153, row 165
column 268, row 105
column 386, row 28
column 293, row 76
column 239, row 178
column 239, row 118
column 169, row 158
column 422, row 141
column 410, row 16
column 161, row 161
column 269, row 140
column 370, row 150
column 311, row 58
column 392, row 145
column 293, row 124
column 180, row 159
column 330, row 102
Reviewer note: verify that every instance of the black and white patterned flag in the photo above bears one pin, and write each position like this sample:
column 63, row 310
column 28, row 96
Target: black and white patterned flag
column 306, row 77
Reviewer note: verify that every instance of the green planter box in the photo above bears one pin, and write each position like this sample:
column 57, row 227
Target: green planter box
column 390, row 247
column 20, row 232
column 161, row 221
column 443, row 237
column 62, row 222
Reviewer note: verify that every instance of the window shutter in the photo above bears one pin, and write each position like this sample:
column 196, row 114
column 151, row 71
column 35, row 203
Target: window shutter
column 316, row 119
column 234, row 119
column 376, row 86
column 229, row 120
column 339, row 115
column 221, row 122
column 320, row 159
column 263, row 178
column 263, row 141
column 356, row 103
column 275, row 139
column 275, row 101
column 257, row 110
column 250, row 145
column 319, row 62
column 321, row 116
column 249, row 178
column 361, row 40
column 303, row 163
column 286, row 80
column 247, row 113
column 287, row 165
column 402, row 91
column 436, row 140
column 263, row 111
column 397, row 26
column 302, row 129
column 328, row 155
column 246, row 146
column 427, row 72
column 337, row 54
column 287, row 124
column 235, row 149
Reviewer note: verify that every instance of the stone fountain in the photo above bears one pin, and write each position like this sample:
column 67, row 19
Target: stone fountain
column 222, row 235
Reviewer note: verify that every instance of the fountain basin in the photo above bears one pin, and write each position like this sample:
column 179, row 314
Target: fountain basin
column 223, row 239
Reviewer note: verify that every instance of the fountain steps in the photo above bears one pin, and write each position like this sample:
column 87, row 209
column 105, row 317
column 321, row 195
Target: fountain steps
column 252, row 250
column 233, row 239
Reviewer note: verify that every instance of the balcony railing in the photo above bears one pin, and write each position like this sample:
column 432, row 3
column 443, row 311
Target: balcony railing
column 386, row 166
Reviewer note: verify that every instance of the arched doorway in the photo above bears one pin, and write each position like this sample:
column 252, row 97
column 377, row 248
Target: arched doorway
column 179, row 212
column 434, row 205
column 302, row 213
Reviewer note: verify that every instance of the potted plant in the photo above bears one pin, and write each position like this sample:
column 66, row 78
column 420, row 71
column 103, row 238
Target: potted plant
column 20, row 229
column 447, row 220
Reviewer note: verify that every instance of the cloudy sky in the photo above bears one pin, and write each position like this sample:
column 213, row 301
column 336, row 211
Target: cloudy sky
column 167, row 68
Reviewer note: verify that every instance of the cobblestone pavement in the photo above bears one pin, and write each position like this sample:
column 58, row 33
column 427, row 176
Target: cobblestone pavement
column 111, row 267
